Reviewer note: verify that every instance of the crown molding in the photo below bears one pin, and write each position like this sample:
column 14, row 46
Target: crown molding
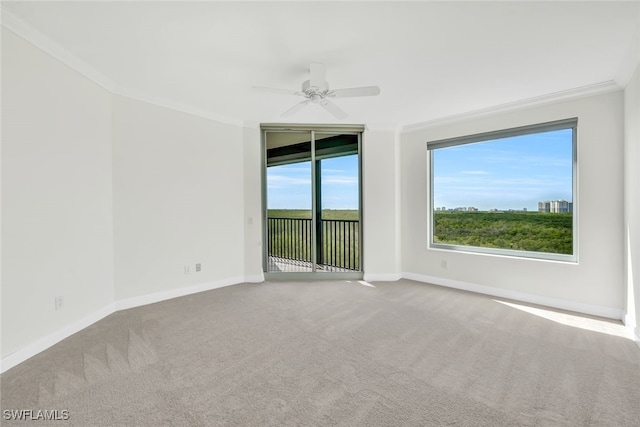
column 251, row 124
column 372, row 127
column 44, row 43
column 631, row 61
column 381, row 127
column 177, row 106
column 565, row 95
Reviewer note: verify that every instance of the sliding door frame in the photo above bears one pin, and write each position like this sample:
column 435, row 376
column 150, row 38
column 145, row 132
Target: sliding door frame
column 312, row 129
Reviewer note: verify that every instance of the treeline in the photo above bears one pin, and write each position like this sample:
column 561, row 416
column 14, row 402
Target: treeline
column 290, row 236
column 526, row 231
column 350, row 214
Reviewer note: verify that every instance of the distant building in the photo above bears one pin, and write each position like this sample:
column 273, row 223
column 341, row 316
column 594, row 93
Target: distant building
column 472, row 209
column 544, row 206
column 561, row 206
column 555, row 206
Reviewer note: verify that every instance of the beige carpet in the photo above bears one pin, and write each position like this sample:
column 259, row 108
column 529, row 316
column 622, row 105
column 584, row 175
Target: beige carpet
column 333, row 353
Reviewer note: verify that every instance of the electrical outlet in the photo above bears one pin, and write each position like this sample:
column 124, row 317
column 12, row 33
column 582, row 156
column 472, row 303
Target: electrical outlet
column 444, row 264
column 187, row 269
column 198, row 267
column 59, row 302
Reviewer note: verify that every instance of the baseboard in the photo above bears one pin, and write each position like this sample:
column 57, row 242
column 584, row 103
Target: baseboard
column 629, row 321
column 42, row 344
column 595, row 310
column 133, row 302
column 257, row 278
column 389, row 277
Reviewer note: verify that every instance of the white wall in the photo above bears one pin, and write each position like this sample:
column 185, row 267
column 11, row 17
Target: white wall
column 380, row 176
column 252, row 205
column 178, row 200
column 56, row 195
column 632, row 200
column 595, row 283
column 86, row 175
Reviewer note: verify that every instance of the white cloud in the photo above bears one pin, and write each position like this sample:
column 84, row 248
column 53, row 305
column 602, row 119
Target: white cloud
column 475, row 172
column 346, row 180
column 279, row 181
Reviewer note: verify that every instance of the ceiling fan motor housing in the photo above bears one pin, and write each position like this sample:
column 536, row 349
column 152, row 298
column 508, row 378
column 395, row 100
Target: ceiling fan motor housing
column 306, row 85
column 315, row 93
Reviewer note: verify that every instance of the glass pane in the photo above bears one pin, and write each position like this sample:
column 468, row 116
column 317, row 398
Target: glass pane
column 338, row 199
column 289, row 202
column 513, row 193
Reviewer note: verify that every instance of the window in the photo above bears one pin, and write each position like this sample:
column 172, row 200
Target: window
column 509, row 192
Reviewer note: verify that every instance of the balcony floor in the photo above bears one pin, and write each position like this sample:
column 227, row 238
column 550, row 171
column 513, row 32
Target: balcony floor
column 285, row 265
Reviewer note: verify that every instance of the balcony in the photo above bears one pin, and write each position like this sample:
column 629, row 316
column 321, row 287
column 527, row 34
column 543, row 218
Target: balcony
column 289, row 245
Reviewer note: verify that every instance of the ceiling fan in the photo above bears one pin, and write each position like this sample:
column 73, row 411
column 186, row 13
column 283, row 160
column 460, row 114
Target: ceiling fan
column 316, row 91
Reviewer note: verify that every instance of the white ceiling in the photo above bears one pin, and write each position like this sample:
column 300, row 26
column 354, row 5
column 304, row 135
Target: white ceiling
column 430, row 59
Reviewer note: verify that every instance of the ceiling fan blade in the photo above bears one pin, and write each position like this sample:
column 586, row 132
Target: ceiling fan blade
column 317, row 74
column 299, row 106
column 275, row 90
column 355, row 91
column 336, row 111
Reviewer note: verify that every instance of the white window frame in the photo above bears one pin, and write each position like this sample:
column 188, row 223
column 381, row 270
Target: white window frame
column 571, row 123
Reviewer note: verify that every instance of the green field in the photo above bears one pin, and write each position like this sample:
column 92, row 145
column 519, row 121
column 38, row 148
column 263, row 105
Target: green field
column 347, row 214
column 525, row 231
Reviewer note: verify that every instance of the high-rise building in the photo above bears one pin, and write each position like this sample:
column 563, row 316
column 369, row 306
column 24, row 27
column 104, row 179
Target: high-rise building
column 555, row 206
column 560, row 206
column 544, row 206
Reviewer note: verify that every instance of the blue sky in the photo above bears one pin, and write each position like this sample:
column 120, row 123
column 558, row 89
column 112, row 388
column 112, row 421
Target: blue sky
column 289, row 186
column 509, row 173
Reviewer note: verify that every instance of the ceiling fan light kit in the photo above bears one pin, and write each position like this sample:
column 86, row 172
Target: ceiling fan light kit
column 316, row 91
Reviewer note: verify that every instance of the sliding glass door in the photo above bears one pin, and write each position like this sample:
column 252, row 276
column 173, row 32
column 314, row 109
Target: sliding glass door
column 289, row 196
column 312, row 208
